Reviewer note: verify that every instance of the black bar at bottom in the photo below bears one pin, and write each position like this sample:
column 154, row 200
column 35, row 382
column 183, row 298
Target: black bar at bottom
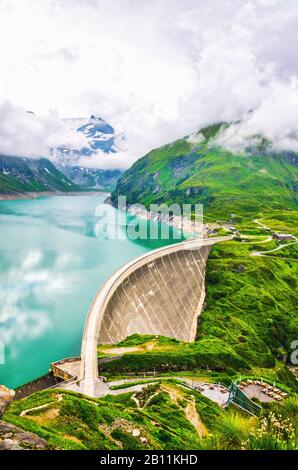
column 136, row 459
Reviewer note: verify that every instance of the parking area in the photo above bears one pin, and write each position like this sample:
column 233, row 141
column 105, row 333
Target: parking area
column 261, row 390
column 215, row 392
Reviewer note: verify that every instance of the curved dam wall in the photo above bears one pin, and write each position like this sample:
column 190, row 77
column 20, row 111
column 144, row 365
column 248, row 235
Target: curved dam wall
column 163, row 296
column 161, row 292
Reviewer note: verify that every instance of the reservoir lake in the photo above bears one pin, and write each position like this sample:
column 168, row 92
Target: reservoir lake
column 53, row 259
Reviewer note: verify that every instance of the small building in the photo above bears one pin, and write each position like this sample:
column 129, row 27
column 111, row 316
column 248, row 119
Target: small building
column 212, row 231
column 282, row 236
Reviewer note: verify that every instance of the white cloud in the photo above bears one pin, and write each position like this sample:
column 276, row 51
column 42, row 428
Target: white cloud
column 195, row 138
column 155, row 70
column 275, row 119
column 23, row 133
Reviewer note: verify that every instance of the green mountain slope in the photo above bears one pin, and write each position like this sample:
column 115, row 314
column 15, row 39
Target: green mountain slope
column 165, row 416
column 205, row 173
column 92, row 178
column 250, row 316
column 20, row 175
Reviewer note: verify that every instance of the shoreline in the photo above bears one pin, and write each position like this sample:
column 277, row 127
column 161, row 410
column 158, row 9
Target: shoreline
column 188, row 227
column 37, row 194
column 185, row 226
column 178, row 223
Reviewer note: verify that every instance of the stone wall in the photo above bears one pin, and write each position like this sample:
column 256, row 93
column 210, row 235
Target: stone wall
column 163, row 296
column 37, row 385
column 65, row 369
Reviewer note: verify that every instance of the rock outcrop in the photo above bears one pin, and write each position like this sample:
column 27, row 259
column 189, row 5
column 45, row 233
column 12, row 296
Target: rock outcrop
column 14, row 438
column 6, row 397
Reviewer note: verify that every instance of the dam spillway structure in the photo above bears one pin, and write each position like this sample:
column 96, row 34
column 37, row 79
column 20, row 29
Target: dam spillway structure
column 159, row 293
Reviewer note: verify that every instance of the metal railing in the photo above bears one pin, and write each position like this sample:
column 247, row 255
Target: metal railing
column 240, row 399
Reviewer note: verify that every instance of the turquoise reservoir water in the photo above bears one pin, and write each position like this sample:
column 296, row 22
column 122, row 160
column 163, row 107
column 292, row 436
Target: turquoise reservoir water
column 51, row 266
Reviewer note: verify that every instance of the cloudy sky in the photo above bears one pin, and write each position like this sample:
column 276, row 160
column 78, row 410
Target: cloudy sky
column 155, row 70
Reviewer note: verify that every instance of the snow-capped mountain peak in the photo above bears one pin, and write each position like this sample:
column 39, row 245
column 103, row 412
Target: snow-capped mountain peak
column 91, row 135
column 98, row 133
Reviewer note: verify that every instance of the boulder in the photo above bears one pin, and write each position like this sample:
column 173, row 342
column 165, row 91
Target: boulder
column 6, row 397
column 14, row 438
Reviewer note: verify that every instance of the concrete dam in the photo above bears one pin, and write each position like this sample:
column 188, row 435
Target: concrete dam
column 160, row 295
column 161, row 292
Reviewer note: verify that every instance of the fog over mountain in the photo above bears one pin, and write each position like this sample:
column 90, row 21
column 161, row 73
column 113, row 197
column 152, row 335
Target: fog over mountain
column 153, row 70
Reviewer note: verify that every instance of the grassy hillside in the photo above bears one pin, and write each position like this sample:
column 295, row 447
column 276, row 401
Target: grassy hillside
column 161, row 416
column 205, row 173
column 249, row 320
column 19, row 175
column 250, row 302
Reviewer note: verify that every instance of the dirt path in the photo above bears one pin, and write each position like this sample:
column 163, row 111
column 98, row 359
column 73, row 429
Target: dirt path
column 190, row 410
column 41, row 407
column 129, row 349
column 257, row 221
column 121, row 351
column 268, row 239
column 193, row 416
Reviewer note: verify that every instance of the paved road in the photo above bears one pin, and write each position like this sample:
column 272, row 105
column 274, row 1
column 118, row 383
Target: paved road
column 280, row 247
column 216, row 393
column 257, row 221
column 88, row 377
